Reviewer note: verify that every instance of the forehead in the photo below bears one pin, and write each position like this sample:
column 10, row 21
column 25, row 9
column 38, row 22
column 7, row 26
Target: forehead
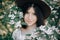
column 31, row 10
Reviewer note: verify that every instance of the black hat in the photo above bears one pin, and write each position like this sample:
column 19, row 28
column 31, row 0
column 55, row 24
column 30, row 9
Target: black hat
column 42, row 5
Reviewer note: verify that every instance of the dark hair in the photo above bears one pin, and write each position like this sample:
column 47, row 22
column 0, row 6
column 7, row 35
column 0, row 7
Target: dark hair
column 38, row 13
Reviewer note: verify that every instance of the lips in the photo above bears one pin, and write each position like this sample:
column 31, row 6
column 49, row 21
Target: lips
column 29, row 21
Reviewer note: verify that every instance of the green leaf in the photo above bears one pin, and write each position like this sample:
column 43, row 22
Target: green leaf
column 28, row 34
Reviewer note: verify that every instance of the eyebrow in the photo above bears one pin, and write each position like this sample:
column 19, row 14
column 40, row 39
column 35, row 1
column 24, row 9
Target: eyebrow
column 28, row 13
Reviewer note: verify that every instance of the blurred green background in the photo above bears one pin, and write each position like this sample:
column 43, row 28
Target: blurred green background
column 11, row 17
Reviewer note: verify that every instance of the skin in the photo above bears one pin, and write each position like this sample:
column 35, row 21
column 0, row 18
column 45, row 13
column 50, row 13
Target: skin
column 30, row 18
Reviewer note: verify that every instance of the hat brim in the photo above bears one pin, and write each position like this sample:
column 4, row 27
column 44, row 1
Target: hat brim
column 42, row 5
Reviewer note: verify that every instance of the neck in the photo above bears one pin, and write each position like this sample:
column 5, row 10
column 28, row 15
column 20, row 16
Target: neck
column 31, row 27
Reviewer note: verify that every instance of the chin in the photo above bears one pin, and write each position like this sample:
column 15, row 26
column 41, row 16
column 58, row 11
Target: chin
column 30, row 24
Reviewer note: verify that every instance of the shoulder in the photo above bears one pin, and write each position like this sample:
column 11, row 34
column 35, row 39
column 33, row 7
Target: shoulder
column 16, row 33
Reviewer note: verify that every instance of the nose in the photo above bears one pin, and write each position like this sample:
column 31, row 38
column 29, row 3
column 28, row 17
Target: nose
column 30, row 17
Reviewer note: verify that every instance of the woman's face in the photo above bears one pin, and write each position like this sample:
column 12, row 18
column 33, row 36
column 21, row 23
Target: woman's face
column 30, row 18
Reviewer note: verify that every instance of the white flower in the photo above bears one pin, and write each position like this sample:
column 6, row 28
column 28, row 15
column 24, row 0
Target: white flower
column 9, row 15
column 40, row 38
column 1, row 16
column 21, row 14
column 15, row 12
column 56, row 16
column 34, row 35
column 57, row 30
column 54, row 11
column 53, row 28
column 51, row 7
column 18, row 24
column 42, row 27
column 11, row 22
column 28, row 37
column 59, row 24
column 57, row 13
column 16, row 7
column 49, row 31
column 12, row 16
column 46, row 22
column 55, row 0
column 0, row 32
column 4, row 12
column 10, row 6
column 53, row 19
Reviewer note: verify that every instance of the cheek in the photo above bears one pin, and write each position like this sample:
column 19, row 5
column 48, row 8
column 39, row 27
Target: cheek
column 25, row 17
column 32, row 18
column 35, row 19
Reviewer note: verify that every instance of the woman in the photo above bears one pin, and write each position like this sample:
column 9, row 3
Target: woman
column 35, row 12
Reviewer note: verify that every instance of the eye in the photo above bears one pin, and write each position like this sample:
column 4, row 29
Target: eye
column 34, row 13
column 26, row 12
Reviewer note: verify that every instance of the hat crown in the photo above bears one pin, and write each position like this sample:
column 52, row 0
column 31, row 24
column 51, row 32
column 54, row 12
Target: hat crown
column 42, row 5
